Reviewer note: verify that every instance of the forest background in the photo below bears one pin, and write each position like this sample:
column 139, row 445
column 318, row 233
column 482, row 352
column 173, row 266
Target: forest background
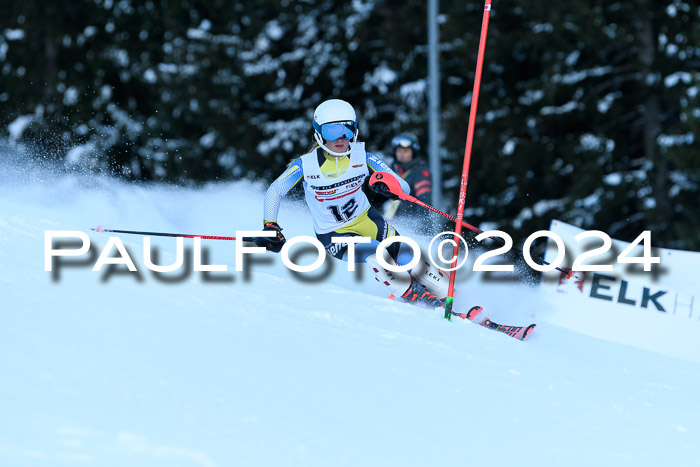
column 588, row 111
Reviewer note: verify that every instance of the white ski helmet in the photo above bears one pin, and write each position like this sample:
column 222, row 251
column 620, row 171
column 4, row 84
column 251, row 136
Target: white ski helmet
column 335, row 119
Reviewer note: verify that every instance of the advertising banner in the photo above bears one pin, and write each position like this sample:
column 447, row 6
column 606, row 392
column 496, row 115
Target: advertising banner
column 624, row 292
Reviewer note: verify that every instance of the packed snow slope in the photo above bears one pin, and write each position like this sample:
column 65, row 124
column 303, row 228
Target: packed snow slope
column 268, row 368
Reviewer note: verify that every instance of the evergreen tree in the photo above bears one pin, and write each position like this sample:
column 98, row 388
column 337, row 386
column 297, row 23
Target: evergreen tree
column 588, row 110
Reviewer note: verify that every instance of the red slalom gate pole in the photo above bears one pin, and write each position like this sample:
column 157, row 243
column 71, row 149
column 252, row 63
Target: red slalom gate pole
column 467, row 158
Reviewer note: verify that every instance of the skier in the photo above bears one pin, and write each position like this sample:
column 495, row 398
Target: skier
column 412, row 168
column 333, row 174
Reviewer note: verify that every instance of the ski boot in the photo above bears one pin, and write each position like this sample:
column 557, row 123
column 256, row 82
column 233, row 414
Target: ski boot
column 417, row 295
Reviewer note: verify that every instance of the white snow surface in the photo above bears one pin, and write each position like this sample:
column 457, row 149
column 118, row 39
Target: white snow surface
column 264, row 369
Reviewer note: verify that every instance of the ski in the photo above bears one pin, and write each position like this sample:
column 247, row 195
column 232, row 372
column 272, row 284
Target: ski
column 518, row 332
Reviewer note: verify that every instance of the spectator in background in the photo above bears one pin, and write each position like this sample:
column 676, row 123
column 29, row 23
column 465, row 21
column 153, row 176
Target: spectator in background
column 413, row 169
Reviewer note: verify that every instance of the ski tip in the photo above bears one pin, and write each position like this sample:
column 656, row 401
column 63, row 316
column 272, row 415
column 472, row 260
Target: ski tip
column 527, row 331
column 473, row 311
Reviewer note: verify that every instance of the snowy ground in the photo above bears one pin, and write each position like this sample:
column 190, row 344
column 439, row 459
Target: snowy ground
column 267, row 369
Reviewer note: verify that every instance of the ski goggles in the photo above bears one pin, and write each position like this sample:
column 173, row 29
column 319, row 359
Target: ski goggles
column 401, row 142
column 333, row 131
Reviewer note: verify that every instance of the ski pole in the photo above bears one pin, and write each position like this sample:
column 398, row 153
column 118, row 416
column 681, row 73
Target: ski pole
column 393, row 185
column 164, row 234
